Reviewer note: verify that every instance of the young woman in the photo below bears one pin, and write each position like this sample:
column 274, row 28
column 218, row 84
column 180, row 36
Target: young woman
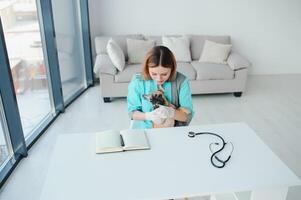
column 159, row 69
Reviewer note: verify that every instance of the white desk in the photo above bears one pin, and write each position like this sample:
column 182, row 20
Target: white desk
column 176, row 166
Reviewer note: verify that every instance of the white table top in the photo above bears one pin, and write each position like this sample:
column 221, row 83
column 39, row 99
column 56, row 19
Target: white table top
column 176, row 166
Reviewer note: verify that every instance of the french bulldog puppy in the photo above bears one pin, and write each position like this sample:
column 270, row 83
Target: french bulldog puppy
column 158, row 99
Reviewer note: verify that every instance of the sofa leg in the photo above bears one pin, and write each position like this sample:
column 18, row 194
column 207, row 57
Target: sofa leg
column 237, row 94
column 107, row 99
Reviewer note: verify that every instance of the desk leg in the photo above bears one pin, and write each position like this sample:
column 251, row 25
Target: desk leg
column 275, row 194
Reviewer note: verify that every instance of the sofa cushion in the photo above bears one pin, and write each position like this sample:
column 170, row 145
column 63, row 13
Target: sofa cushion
column 212, row 71
column 197, row 43
column 187, row 69
column 215, row 52
column 128, row 72
column 116, row 54
column 137, row 49
column 236, row 61
column 103, row 64
column 179, row 46
column 101, row 42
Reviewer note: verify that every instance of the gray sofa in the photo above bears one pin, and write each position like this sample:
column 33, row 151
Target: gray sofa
column 204, row 78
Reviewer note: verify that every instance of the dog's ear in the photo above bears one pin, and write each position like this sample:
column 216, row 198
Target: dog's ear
column 161, row 88
column 147, row 97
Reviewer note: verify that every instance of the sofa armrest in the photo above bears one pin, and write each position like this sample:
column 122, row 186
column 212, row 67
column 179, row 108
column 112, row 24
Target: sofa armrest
column 103, row 64
column 236, row 61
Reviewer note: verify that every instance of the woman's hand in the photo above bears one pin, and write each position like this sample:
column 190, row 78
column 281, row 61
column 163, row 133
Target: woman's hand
column 165, row 112
column 154, row 117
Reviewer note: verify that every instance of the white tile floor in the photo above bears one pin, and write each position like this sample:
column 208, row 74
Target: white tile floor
column 271, row 105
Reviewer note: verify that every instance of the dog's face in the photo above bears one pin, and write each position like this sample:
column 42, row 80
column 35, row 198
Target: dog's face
column 156, row 98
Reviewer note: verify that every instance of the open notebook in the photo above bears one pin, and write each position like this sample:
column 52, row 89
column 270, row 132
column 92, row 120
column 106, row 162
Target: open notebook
column 116, row 141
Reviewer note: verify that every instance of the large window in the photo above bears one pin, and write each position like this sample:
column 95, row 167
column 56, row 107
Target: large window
column 44, row 53
column 5, row 147
column 68, row 26
column 25, row 51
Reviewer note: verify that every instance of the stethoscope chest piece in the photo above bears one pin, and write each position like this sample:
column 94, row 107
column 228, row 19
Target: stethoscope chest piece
column 191, row 134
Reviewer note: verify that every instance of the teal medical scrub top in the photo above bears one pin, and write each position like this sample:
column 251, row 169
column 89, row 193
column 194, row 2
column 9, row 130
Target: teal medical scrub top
column 136, row 101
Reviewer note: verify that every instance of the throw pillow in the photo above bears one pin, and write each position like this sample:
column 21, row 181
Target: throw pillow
column 137, row 49
column 116, row 54
column 215, row 52
column 179, row 46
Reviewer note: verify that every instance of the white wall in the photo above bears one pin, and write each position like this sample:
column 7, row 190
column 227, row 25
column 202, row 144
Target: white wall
column 267, row 32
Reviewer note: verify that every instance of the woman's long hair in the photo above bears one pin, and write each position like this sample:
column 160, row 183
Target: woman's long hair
column 159, row 56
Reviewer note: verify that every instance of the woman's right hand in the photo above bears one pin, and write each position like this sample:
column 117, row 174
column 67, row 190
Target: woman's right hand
column 152, row 116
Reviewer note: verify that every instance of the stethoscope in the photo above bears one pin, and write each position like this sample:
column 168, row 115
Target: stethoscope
column 214, row 158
